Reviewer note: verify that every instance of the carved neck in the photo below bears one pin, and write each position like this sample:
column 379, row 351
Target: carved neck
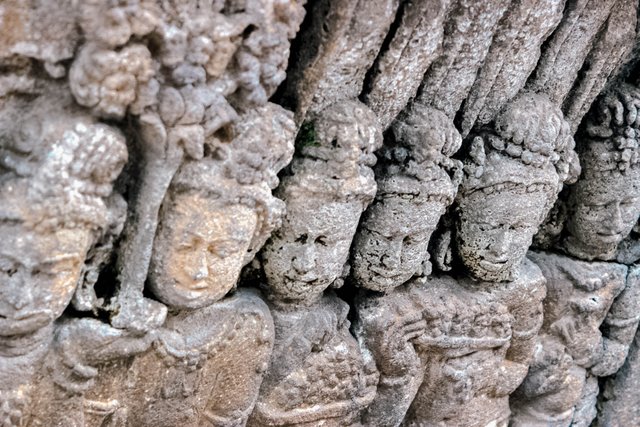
column 577, row 249
column 30, row 345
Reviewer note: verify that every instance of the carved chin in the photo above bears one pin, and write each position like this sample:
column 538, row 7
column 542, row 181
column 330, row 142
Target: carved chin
column 382, row 283
column 489, row 271
column 24, row 325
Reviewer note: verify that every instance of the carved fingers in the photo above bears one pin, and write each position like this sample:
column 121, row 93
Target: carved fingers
column 82, row 344
column 566, row 328
column 394, row 350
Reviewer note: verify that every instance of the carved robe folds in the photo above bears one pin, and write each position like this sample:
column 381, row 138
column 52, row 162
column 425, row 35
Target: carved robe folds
column 205, row 376
column 476, row 346
column 590, row 317
column 317, row 371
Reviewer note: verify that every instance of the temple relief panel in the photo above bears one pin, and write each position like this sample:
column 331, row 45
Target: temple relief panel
column 461, row 343
column 59, row 219
column 319, row 213
column 591, row 309
column 317, row 374
column 417, row 180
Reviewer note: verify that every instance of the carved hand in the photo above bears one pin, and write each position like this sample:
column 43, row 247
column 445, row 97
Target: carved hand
column 81, row 344
column 392, row 347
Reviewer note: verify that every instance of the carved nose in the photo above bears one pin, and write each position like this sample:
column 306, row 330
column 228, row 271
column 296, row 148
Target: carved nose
column 305, row 260
column 615, row 219
column 391, row 258
column 500, row 246
column 201, row 270
column 20, row 297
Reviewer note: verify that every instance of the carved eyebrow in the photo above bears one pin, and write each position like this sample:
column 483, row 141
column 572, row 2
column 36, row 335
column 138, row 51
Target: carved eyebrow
column 60, row 257
column 193, row 233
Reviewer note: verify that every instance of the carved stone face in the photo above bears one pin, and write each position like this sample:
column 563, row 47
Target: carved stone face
column 38, row 274
column 494, row 231
column 199, row 250
column 604, row 212
column 391, row 245
column 311, row 249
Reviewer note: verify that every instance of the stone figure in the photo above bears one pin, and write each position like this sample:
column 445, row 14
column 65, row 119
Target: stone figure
column 183, row 71
column 414, row 190
column 591, row 310
column 417, row 180
column 618, row 401
column 218, row 212
column 58, row 217
column 469, row 338
column 317, row 374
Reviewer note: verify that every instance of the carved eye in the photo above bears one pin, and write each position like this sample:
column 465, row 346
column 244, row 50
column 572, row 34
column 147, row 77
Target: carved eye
column 321, row 240
column 7, row 267
column 409, row 240
column 220, row 250
column 9, row 271
column 302, row 239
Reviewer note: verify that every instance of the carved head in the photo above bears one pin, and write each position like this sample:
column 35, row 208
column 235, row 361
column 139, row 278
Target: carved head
column 331, row 183
column 605, row 202
column 55, row 204
column 512, row 176
column 414, row 190
column 219, row 211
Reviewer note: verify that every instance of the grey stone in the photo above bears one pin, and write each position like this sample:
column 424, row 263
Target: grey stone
column 400, row 68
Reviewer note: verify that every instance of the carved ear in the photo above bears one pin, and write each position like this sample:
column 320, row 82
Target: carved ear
column 476, row 151
column 100, row 254
column 337, row 284
column 441, row 250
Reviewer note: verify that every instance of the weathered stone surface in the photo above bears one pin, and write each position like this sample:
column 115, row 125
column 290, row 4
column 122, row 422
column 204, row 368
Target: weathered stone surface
column 317, row 373
column 468, row 32
column 400, row 68
column 591, row 310
column 179, row 249
column 340, row 44
column 618, row 405
column 513, row 55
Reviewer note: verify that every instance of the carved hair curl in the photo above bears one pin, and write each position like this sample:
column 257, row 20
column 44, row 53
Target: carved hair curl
column 612, row 131
column 63, row 178
column 531, row 130
column 245, row 171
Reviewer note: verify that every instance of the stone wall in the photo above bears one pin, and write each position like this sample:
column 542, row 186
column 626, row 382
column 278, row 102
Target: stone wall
column 319, row 213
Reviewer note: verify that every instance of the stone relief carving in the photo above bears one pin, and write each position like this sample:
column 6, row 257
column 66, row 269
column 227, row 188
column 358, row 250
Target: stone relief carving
column 58, row 213
column 469, row 340
column 317, row 373
column 591, row 306
column 417, row 180
column 166, row 260
column 218, row 211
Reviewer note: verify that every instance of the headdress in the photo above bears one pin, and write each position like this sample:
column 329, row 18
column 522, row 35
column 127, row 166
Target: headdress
column 336, row 154
column 418, row 163
column 245, row 170
column 59, row 171
column 612, row 132
column 528, row 148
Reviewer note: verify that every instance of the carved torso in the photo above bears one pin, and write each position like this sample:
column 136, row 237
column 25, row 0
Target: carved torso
column 204, row 369
column 589, row 309
column 317, row 372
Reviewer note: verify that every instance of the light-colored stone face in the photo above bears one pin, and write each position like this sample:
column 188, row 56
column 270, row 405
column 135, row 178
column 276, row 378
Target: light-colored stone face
column 392, row 243
column 604, row 212
column 495, row 231
column 199, row 250
column 312, row 247
column 38, row 274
